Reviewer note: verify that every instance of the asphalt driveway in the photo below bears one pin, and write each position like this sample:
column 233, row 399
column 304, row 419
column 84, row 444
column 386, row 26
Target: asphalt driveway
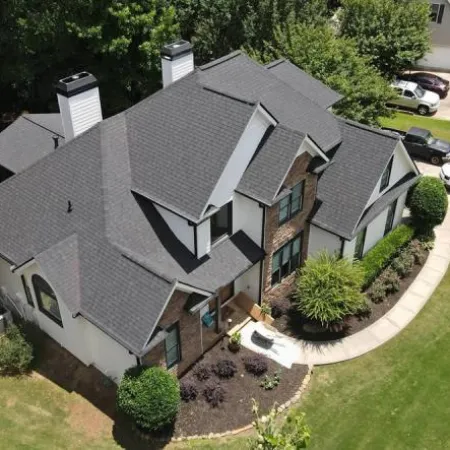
column 444, row 109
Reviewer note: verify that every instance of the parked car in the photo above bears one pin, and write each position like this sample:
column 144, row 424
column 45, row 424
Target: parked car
column 421, row 143
column 445, row 175
column 412, row 96
column 428, row 81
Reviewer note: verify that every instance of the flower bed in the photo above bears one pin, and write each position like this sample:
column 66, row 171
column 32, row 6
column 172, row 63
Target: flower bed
column 292, row 323
column 231, row 388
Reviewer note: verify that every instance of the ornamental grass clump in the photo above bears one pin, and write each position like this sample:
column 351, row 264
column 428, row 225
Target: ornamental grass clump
column 328, row 289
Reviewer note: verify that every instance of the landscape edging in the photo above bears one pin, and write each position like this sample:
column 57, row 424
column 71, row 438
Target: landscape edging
column 294, row 399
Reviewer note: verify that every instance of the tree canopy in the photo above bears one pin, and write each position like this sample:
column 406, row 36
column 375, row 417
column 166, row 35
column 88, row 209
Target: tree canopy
column 394, row 34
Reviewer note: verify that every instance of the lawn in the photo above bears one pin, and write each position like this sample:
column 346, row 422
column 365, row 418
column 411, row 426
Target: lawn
column 393, row 398
column 439, row 128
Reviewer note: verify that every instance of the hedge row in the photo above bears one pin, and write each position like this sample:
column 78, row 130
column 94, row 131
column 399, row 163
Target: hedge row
column 379, row 256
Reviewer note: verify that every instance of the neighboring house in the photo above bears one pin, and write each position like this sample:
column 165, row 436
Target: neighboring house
column 439, row 56
column 130, row 243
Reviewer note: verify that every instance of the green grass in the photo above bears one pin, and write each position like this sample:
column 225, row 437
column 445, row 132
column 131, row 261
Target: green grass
column 36, row 414
column 439, row 128
column 396, row 397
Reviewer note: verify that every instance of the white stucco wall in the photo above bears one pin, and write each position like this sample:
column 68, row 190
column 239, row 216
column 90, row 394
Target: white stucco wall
column 79, row 336
column 399, row 209
column 249, row 282
column 349, row 249
column 401, row 165
column 320, row 239
column 375, row 230
column 203, row 238
column 248, row 217
column 180, row 226
column 240, row 158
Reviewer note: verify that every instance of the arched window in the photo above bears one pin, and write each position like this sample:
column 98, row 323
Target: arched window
column 46, row 299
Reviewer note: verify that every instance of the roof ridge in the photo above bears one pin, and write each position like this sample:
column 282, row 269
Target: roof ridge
column 220, row 60
column 230, row 96
column 39, row 125
column 369, row 128
column 285, row 127
column 275, row 63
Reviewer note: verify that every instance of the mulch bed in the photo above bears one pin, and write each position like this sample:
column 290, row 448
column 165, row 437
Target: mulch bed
column 292, row 323
column 199, row 417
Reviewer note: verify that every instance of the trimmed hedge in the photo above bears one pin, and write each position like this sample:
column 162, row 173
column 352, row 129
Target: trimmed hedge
column 379, row 256
column 150, row 396
column 428, row 203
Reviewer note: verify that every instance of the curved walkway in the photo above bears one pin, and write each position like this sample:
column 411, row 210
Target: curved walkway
column 384, row 329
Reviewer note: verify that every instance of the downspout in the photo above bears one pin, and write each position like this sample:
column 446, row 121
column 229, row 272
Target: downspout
column 201, row 331
column 261, row 264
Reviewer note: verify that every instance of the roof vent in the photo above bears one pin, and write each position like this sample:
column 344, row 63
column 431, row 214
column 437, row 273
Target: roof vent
column 177, row 61
column 55, row 141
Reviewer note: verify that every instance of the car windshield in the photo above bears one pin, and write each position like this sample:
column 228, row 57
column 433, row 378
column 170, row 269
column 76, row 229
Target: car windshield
column 429, row 138
column 419, row 92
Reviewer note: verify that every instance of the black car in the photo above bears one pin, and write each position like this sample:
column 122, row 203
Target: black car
column 428, row 81
column 421, row 143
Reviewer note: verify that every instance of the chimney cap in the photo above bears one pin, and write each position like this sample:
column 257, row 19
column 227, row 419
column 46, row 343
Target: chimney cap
column 176, row 50
column 76, row 84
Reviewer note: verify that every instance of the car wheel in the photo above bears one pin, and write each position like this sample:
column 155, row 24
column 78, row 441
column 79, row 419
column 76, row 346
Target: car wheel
column 436, row 160
column 423, row 110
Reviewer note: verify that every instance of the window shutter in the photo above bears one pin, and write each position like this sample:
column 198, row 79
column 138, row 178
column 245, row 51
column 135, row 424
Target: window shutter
column 441, row 13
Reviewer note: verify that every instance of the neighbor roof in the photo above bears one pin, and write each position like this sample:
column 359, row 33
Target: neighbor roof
column 29, row 139
column 305, row 84
column 344, row 189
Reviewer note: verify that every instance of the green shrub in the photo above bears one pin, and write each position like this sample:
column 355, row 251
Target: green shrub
column 403, row 264
column 150, row 396
column 428, row 203
column 377, row 291
column 391, row 280
column 329, row 288
column 382, row 253
column 16, row 353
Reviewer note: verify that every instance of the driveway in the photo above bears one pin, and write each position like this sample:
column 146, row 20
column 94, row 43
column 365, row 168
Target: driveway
column 427, row 168
column 444, row 109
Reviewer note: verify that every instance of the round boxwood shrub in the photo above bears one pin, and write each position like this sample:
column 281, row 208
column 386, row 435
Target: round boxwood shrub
column 16, row 353
column 150, row 396
column 428, row 203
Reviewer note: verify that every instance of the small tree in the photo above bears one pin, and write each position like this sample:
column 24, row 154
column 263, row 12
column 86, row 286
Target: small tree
column 329, row 288
column 428, row 203
column 150, row 396
column 394, row 34
column 293, row 436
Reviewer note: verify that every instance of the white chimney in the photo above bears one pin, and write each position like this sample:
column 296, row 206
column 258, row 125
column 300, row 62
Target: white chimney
column 79, row 103
column 177, row 60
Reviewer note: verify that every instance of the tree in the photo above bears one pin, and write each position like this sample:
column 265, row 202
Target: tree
column 219, row 27
column 394, row 34
column 336, row 62
column 119, row 42
column 328, row 288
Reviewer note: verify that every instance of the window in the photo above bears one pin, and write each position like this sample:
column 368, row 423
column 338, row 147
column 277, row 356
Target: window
column 386, row 175
column 172, row 344
column 46, row 299
column 408, row 94
column 292, row 203
column 221, row 223
column 359, row 246
column 286, row 259
column 390, row 217
column 437, row 12
column 27, row 291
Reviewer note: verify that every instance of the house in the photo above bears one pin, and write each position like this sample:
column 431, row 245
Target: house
column 439, row 56
column 129, row 240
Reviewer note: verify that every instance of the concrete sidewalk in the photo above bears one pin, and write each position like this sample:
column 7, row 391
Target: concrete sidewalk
column 395, row 320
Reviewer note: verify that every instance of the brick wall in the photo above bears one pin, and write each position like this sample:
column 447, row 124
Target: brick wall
column 189, row 334
column 276, row 235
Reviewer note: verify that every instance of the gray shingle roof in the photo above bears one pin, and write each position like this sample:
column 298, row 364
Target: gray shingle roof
column 345, row 187
column 29, row 139
column 238, row 75
column 305, row 84
column 270, row 165
column 180, row 140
